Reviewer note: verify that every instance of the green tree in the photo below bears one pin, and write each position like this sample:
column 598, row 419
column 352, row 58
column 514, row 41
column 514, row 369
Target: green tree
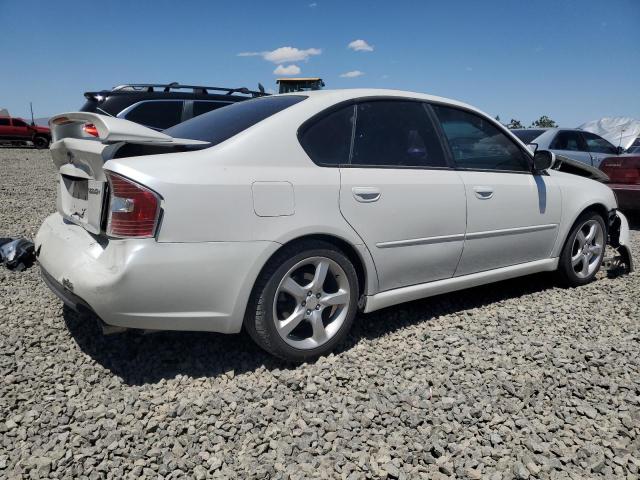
column 544, row 122
column 497, row 118
column 515, row 124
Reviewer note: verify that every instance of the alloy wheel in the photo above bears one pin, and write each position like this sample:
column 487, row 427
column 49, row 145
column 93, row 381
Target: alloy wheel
column 311, row 302
column 588, row 249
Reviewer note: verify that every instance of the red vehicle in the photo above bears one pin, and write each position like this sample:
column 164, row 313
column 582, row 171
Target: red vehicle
column 16, row 131
column 624, row 179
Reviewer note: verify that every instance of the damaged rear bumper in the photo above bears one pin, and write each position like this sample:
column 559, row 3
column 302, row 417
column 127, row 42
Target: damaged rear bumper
column 619, row 239
column 150, row 285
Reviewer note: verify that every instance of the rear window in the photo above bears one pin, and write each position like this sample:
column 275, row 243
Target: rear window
column 201, row 107
column 221, row 124
column 527, row 136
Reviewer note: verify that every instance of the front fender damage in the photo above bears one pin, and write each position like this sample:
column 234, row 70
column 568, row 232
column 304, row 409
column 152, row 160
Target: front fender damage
column 619, row 240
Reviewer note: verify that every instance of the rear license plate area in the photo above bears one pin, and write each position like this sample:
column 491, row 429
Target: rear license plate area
column 75, row 196
column 78, row 188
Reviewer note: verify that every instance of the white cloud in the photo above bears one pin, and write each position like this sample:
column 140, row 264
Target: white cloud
column 284, row 54
column 360, row 46
column 313, row 5
column 290, row 54
column 352, row 74
column 288, row 70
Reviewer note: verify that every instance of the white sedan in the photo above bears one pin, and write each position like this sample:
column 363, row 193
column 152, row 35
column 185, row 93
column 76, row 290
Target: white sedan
column 580, row 145
column 287, row 214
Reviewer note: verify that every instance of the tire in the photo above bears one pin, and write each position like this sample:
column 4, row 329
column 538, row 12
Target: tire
column 582, row 255
column 40, row 142
column 319, row 313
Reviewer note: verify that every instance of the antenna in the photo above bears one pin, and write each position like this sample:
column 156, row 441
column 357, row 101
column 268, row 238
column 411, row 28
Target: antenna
column 31, row 108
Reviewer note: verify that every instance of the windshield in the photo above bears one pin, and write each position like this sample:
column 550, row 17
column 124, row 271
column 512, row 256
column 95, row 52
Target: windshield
column 528, row 135
column 219, row 125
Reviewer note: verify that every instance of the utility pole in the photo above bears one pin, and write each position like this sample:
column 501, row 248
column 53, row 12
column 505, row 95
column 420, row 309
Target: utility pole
column 31, row 108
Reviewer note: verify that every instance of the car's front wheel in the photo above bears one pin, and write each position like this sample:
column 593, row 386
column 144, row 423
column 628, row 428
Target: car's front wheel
column 40, row 142
column 304, row 301
column 583, row 252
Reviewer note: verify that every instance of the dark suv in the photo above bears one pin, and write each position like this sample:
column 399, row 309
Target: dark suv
column 160, row 106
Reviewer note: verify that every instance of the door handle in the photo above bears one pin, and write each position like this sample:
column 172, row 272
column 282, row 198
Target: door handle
column 483, row 193
column 366, row 194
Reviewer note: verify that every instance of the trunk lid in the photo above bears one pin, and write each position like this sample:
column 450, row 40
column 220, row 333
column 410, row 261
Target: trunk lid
column 80, row 157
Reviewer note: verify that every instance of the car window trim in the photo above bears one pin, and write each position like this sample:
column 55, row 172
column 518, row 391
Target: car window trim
column 527, row 153
column 396, row 167
column 442, row 138
column 187, row 111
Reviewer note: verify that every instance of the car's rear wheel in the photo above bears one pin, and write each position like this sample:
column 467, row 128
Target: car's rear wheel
column 304, row 302
column 583, row 251
column 40, row 142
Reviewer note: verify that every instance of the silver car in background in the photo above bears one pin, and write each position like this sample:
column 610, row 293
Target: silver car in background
column 585, row 147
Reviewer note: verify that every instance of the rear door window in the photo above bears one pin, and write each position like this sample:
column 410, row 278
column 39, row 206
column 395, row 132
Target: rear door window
column 4, row 122
column 391, row 133
column 477, row 144
column 158, row 114
column 568, row 140
column 18, row 123
column 598, row 144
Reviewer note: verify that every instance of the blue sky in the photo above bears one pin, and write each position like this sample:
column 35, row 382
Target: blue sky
column 574, row 60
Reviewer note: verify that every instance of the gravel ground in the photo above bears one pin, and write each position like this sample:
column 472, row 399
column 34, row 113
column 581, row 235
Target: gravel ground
column 515, row 380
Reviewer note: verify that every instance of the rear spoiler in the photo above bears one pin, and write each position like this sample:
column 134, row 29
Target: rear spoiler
column 109, row 130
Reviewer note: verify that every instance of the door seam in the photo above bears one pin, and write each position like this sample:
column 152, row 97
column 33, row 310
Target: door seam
column 466, row 223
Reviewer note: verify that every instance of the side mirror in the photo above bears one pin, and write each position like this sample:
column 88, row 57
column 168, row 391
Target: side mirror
column 543, row 160
column 619, row 150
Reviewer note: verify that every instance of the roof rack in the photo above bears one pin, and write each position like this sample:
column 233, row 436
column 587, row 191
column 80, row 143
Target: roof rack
column 197, row 89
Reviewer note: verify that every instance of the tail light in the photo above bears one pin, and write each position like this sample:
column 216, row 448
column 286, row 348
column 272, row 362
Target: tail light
column 622, row 169
column 133, row 208
column 90, row 129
